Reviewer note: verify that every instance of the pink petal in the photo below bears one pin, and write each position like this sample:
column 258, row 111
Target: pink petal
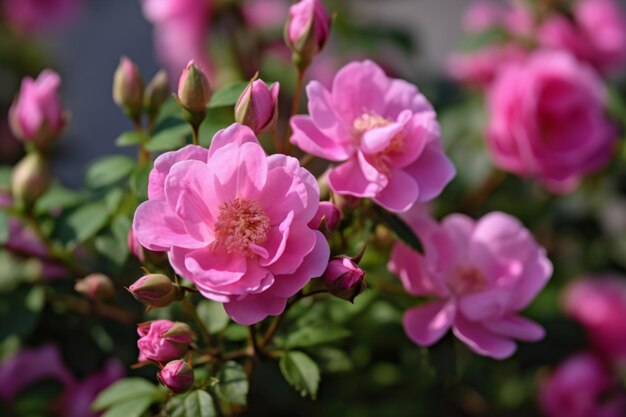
column 401, row 95
column 310, row 139
column 412, row 270
column 283, row 193
column 324, row 117
column 481, row 340
column 276, row 241
column 376, row 140
column 348, row 178
column 164, row 163
column 215, row 268
column 426, row 324
column 240, row 170
column 432, row 171
column 516, row 327
column 255, row 308
column 235, row 133
column 300, row 243
column 189, row 192
column 400, row 193
column 485, row 305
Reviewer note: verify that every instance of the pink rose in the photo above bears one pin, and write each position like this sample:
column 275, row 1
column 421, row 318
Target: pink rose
column 181, row 29
column 307, row 28
column 547, row 120
column 257, row 107
column 479, row 68
column 597, row 33
column 344, row 278
column 581, row 386
column 36, row 114
column 235, row 222
column 383, row 130
column 480, row 273
column 163, row 340
column 40, row 15
column 177, row 376
column 599, row 304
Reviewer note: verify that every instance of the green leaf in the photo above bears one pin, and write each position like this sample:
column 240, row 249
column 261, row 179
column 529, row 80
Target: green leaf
column 194, row 404
column 301, row 373
column 313, row 336
column 131, row 138
column 108, row 170
column 227, row 96
column 57, row 197
column 125, row 390
column 86, row 221
column 139, row 181
column 20, row 310
column 399, row 227
column 5, row 177
column 134, row 408
column 213, row 316
column 170, row 134
column 4, row 226
column 233, row 383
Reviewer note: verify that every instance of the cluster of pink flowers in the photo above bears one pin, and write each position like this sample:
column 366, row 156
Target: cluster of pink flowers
column 587, row 384
column 547, row 104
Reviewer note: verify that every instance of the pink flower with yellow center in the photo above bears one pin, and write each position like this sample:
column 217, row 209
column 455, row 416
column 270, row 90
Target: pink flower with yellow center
column 383, row 131
column 235, row 222
column 481, row 274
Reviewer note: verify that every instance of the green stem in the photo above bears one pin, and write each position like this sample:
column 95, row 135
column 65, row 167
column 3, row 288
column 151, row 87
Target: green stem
column 195, row 138
column 295, row 106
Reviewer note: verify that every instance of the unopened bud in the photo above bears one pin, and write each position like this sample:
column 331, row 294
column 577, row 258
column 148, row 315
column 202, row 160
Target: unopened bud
column 344, row 278
column 157, row 93
column 96, row 287
column 306, row 31
column 177, row 376
column 30, row 178
column 327, row 217
column 257, row 107
column 128, row 88
column 163, row 340
column 194, row 91
column 156, row 290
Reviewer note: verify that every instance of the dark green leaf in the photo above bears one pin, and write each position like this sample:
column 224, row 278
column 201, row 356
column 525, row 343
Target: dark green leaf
column 139, row 181
column 108, row 170
column 131, row 138
column 169, row 139
column 194, row 404
column 399, row 227
column 233, row 383
column 227, row 96
column 4, row 226
column 313, row 336
column 133, row 408
column 301, row 373
column 125, row 390
column 213, row 316
column 87, row 220
column 5, row 177
column 57, row 197
column 20, row 309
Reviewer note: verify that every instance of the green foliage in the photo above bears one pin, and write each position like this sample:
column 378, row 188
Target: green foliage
column 128, row 397
column 399, row 227
column 108, row 170
column 213, row 316
column 20, row 310
column 232, row 383
column 301, row 372
column 4, row 226
column 196, row 403
column 309, row 336
column 131, row 138
column 228, row 95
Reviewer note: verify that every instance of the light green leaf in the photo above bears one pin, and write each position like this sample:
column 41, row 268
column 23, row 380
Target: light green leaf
column 133, row 408
column 57, row 197
column 108, row 170
column 301, row 373
column 227, row 96
column 213, row 316
column 125, row 390
column 139, row 181
column 194, row 404
column 131, row 138
column 4, row 226
column 87, row 220
column 233, row 383
column 169, row 134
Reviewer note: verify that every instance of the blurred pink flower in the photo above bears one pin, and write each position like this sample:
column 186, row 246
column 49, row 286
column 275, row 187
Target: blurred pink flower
column 76, row 402
column 265, row 14
column 36, row 114
column 510, row 16
column 40, row 15
column 29, row 366
column 599, row 304
column 307, row 28
column 235, row 222
column 581, row 386
column 596, row 33
column 163, row 340
column 547, row 120
column 479, row 68
column 181, row 29
column 383, row 129
column 481, row 273
column 328, row 213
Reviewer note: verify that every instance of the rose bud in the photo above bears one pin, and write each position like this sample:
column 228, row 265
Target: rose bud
column 157, row 93
column 128, row 88
column 344, row 278
column 30, row 178
column 307, row 30
column 156, row 290
column 36, row 114
column 257, row 107
column 177, row 376
column 163, row 340
column 194, row 91
column 327, row 216
column 96, row 287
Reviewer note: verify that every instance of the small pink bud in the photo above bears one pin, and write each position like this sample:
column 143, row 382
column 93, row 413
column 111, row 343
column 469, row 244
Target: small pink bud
column 163, row 340
column 128, row 88
column 96, row 287
column 327, row 216
column 344, row 278
column 257, row 107
column 177, row 376
column 157, row 92
column 156, row 290
column 194, row 91
column 30, row 178
column 36, row 114
column 306, row 31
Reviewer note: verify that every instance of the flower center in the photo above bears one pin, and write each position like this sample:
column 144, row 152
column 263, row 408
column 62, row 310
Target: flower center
column 368, row 121
column 466, row 280
column 381, row 160
column 240, row 223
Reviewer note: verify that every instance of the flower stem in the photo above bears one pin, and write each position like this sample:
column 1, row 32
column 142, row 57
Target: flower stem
column 295, row 106
column 195, row 138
